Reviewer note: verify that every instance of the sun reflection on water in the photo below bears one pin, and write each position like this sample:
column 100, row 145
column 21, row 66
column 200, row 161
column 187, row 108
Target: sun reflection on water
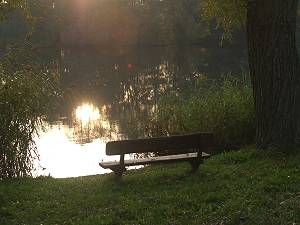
column 87, row 113
column 87, row 124
column 75, row 148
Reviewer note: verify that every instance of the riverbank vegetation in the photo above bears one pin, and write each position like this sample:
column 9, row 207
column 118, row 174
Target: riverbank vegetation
column 28, row 91
column 223, row 106
column 248, row 186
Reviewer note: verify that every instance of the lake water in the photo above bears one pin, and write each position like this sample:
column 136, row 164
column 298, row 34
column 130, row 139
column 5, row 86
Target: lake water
column 110, row 83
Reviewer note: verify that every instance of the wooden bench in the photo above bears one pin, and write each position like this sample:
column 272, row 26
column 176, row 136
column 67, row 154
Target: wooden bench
column 199, row 141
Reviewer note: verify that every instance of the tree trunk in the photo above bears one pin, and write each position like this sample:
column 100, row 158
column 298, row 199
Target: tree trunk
column 274, row 69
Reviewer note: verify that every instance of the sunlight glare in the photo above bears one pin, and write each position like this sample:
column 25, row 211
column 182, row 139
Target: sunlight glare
column 87, row 113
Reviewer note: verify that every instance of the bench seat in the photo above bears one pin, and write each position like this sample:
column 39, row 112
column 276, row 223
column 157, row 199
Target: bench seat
column 153, row 160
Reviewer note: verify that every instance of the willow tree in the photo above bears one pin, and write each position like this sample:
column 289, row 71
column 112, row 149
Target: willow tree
column 270, row 27
column 28, row 91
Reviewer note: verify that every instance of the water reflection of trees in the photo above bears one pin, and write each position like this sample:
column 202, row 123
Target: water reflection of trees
column 127, row 81
column 101, row 74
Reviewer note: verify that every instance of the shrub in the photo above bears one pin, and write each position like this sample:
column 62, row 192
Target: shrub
column 28, row 90
column 226, row 108
column 223, row 106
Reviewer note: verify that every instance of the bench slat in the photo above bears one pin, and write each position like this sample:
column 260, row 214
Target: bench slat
column 153, row 160
column 203, row 140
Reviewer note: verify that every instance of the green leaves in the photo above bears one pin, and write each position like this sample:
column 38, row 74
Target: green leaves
column 224, row 106
column 227, row 13
column 28, row 91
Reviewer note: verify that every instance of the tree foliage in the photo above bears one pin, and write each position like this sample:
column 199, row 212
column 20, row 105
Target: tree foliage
column 23, row 7
column 227, row 13
column 28, row 91
column 107, row 22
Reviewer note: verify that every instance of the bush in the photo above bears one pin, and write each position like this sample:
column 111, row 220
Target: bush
column 223, row 106
column 28, row 90
column 227, row 109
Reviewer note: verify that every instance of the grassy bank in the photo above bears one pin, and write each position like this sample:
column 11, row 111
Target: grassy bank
column 223, row 106
column 243, row 187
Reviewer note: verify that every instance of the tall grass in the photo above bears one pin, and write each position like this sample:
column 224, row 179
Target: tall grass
column 223, row 106
column 28, row 91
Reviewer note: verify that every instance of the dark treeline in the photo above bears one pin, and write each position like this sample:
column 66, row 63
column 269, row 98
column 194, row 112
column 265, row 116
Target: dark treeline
column 115, row 22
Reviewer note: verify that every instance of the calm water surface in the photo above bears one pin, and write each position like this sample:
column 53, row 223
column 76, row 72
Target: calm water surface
column 110, row 83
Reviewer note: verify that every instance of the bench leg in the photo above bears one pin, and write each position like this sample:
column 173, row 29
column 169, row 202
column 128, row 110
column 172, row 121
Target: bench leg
column 118, row 173
column 194, row 167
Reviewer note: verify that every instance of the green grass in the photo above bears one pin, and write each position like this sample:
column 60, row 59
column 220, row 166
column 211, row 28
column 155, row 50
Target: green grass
column 240, row 187
column 223, row 106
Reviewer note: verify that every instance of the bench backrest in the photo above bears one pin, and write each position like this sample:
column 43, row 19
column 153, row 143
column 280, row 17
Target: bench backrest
column 198, row 140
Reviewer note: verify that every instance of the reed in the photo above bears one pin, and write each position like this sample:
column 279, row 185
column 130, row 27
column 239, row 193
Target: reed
column 28, row 91
column 223, row 106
